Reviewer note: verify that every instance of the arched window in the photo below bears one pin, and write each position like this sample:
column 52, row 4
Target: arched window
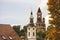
column 29, row 34
column 33, row 28
column 33, row 34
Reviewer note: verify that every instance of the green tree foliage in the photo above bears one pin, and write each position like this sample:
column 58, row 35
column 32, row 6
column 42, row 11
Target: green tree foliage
column 41, row 35
column 25, row 28
column 22, row 32
column 17, row 29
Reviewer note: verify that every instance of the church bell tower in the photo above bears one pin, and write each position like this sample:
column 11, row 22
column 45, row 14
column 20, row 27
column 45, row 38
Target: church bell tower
column 31, row 19
column 39, row 17
column 40, row 24
column 31, row 29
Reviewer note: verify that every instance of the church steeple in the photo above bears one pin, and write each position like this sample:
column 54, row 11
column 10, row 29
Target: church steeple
column 31, row 19
column 39, row 9
column 39, row 16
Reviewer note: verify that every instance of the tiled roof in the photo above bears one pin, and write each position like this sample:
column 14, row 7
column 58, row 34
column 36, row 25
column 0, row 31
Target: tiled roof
column 7, row 31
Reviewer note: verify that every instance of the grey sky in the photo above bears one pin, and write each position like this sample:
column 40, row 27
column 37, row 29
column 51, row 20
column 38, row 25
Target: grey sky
column 18, row 11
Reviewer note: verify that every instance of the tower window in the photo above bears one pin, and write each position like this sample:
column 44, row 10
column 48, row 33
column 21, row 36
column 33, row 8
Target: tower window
column 29, row 28
column 33, row 28
column 4, row 38
column 33, row 34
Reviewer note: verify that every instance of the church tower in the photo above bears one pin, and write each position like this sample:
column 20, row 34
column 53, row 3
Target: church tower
column 40, row 24
column 31, row 29
column 31, row 19
column 39, row 17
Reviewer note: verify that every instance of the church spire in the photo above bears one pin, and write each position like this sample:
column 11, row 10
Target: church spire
column 31, row 19
column 39, row 9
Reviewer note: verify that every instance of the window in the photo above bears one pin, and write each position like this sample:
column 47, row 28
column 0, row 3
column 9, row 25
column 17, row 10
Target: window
column 10, row 38
column 4, row 38
column 33, row 28
column 29, row 33
column 33, row 34
column 39, row 19
column 29, row 28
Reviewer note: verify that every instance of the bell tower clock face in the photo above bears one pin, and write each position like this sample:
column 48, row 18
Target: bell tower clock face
column 38, row 15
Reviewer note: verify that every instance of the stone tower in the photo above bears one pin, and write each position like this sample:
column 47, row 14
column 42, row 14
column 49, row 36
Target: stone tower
column 40, row 24
column 31, row 29
column 39, row 17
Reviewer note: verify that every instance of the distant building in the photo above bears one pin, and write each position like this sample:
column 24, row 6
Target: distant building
column 32, row 29
column 7, row 33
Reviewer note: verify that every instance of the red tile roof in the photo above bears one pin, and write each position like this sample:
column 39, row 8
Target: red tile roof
column 6, row 30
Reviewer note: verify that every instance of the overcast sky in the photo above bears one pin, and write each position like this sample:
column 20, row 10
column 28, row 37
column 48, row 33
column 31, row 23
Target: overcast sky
column 18, row 11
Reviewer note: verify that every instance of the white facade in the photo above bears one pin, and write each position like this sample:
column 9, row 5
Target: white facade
column 31, row 33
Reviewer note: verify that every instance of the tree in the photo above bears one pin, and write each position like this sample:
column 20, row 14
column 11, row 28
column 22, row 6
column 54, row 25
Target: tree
column 54, row 8
column 25, row 28
column 17, row 29
column 41, row 35
column 22, row 32
column 50, row 33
